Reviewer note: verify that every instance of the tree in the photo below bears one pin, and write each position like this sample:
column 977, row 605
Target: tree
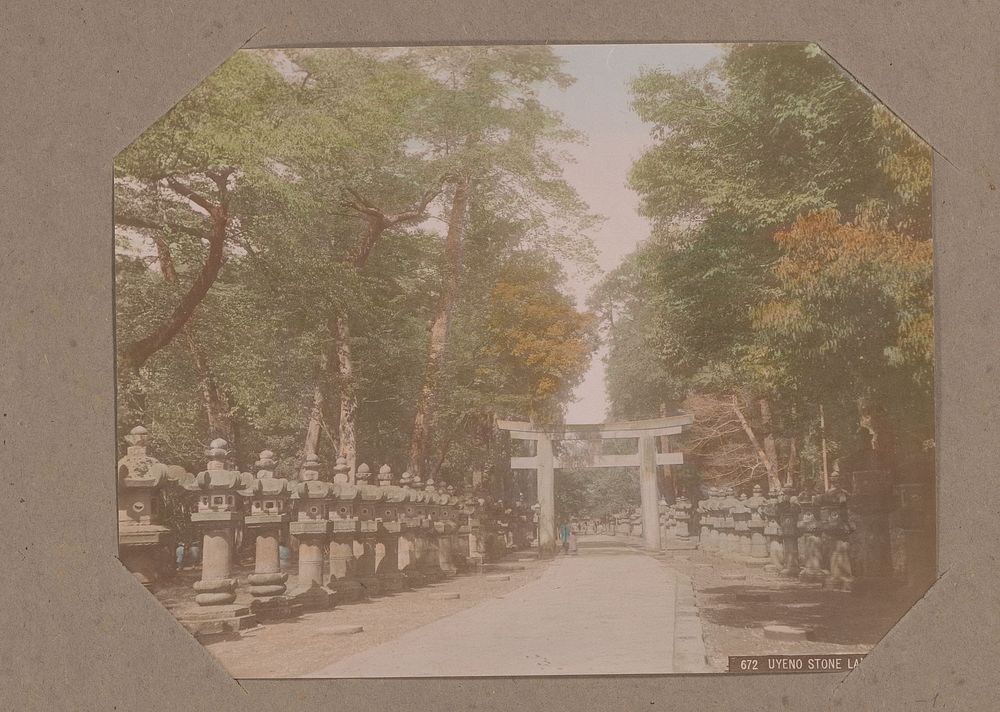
column 182, row 176
column 744, row 148
column 487, row 128
column 312, row 330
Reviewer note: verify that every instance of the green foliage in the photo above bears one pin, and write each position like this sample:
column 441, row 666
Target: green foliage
column 789, row 265
column 301, row 135
column 590, row 494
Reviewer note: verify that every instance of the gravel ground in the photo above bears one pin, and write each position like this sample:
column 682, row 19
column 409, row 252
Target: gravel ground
column 302, row 645
column 733, row 622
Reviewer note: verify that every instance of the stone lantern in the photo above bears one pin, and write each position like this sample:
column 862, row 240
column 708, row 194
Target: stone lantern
column 682, row 519
column 311, row 527
column 389, row 531
column 435, row 531
column 416, row 512
column 728, row 545
column 836, row 530
column 911, row 523
column 741, row 525
column 270, row 503
column 810, row 542
column 772, row 533
column 788, row 520
column 344, row 532
column 445, row 527
column 664, row 519
column 409, row 523
column 216, row 513
column 144, row 544
column 477, row 544
column 449, row 559
column 709, row 534
column 370, row 551
column 758, row 541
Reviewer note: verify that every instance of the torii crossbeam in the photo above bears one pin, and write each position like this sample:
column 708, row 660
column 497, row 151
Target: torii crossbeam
column 646, row 459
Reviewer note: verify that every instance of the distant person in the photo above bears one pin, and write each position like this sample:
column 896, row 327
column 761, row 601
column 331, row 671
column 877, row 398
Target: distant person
column 179, row 555
column 564, row 537
column 284, row 556
column 195, row 549
column 571, row 542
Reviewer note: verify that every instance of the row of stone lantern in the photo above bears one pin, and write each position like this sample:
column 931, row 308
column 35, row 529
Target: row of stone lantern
column 801, row 536
column 376, row 538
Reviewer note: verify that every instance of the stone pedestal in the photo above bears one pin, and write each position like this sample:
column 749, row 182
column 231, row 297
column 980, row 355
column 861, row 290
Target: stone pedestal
column 868, row 512
column 309, row 591
column 788, row 519
column 741, row 527
column 368, row 549
column 388, row 571
column 772, row 535
column 343, row 576
column 912, row 529
column 269, row 504
column 267, row 582
column 812, row 545
column 345, row 529
column 758, row 542
column 216, row 516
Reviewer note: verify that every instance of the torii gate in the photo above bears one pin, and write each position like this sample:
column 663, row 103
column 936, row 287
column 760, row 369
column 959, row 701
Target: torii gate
column 646, row 459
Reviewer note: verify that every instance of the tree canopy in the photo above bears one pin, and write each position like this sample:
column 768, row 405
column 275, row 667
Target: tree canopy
column 286, row 235
column 785, row 294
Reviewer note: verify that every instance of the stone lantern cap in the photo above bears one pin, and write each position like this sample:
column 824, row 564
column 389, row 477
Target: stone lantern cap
column 369, row 492
column 396, row 494
column 385, row 476
column 216, row 487
column 312, row 500
column 269, row 495
column 313, row 489
column 311, row 467
column 345, row 492
column 341, row 471
column 137, row 469
column 217, row 481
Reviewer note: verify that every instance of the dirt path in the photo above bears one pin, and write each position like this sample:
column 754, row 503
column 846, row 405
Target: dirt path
column 609, row 610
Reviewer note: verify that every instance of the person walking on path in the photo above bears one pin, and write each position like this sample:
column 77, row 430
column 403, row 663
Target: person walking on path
column 564, row 537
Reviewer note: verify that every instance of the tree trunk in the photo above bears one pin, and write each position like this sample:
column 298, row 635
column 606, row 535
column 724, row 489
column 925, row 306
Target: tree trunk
column 220, row 422
column 138, row 352
column 791, row 472
column 882, row 446
column 315, row 424
column 377, row 222
column 348, row 395
column 421, row 438
column 773, row 478
column 770, row 442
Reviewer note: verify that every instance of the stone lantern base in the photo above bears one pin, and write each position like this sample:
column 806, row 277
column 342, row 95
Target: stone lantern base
column 216, row 620
column 394, row 582
column 348, row 590
column 272, row 608
column 414, row 578
column 147, row 552
column 312, row 598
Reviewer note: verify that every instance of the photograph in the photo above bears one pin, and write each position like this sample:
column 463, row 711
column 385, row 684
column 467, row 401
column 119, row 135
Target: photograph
column 527, row 360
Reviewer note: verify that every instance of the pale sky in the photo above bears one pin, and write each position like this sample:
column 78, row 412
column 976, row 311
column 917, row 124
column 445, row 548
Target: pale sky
column 598, row 105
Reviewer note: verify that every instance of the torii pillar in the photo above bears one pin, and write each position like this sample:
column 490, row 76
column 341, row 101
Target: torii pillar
column 546, row 498
column 649, row 493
